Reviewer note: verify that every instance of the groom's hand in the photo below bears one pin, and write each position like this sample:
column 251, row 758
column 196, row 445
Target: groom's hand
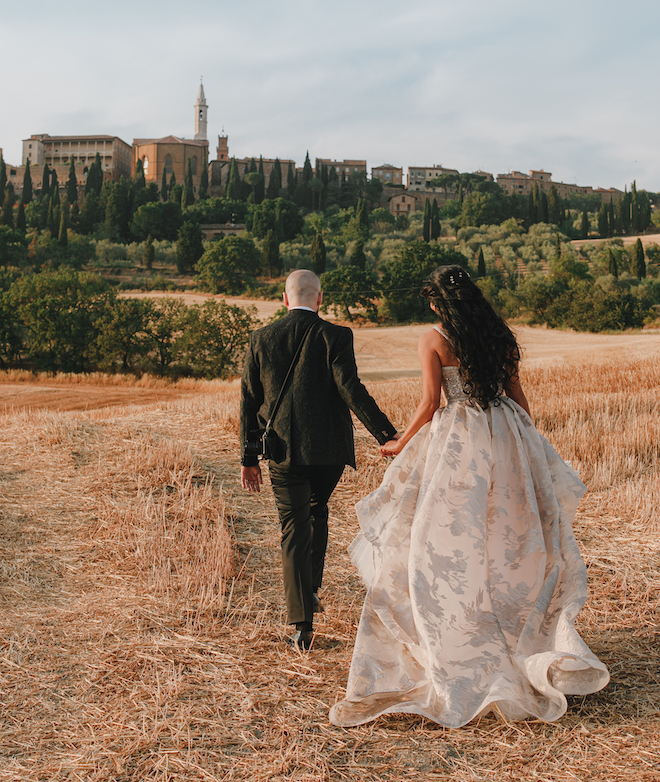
column 392, row 447
column 251, row 478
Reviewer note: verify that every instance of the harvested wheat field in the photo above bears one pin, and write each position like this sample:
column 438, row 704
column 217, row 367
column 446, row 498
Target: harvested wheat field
column 142, row 617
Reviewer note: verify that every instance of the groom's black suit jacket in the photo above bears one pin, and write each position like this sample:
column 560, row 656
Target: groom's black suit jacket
column 313, row 422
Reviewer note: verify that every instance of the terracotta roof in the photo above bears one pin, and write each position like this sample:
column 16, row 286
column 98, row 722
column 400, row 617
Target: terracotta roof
column 80, row 138
column 170, row 140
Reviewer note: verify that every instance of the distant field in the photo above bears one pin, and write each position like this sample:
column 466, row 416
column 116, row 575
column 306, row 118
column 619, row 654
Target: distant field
column 265, row 309
column 388, row 353
column 646, row 239
column 382, row 354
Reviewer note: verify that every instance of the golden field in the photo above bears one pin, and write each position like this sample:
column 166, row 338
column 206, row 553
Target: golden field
column 142, row 618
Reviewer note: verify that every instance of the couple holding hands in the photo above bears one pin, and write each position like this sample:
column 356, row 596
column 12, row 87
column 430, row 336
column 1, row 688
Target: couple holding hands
column 473, row 575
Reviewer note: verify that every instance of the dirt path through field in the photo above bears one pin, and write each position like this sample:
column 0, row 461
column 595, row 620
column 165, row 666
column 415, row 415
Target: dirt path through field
column 19, row 396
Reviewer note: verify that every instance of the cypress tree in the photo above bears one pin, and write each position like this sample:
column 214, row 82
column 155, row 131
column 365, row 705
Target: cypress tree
column 45, row 182
column 260, row 190
column 318, row 254
column 602, row 221
column 3, row 178
column 270, row 253
column 189, row 247
column 20, row 217
column 427, row 221
column 204, row 183
column 172, row 181
column 584, row 227
column 612, row 267
column 362, row 215
column 307, row 174
column 90, row 213
column 557, row 247
column 63, row 237
column 543, row 202
column 50, row 220
column 611, row 219
column 233, row 186
column 639, row 262
column 188, row 197
column 531, row 208
column 8, row 210
column 27, row 184
column 74, row 216
column 138, row 177
column 481, row 263
column 54, row 190
column 625, row 211
column 290, row 181
column 94, row 180
column 435, row 220
column 275, row 181
column 357, row 256
column 72, row 184
column 117, row 214
column 634, row 209
column 554, row 207
column 163, row 187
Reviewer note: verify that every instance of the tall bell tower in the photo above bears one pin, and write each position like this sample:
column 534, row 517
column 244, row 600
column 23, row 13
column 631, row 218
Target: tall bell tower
column 201, row 110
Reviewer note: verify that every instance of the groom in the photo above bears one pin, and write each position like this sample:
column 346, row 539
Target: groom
column 314, row 432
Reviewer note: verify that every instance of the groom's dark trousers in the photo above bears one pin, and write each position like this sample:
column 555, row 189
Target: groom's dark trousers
column 314, row 431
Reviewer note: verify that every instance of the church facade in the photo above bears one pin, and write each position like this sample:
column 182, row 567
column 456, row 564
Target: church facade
column 172, row 154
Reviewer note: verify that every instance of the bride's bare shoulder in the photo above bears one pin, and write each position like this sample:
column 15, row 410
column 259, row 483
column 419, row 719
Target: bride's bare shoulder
column 436, row 341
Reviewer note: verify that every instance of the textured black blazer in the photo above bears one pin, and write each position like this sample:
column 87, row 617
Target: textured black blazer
column 313, row 422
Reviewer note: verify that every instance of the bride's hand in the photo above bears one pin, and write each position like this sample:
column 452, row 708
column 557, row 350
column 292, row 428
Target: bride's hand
column 391, row 448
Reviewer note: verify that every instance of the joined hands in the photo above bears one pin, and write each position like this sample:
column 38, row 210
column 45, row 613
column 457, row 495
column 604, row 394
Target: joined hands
column 392, row 447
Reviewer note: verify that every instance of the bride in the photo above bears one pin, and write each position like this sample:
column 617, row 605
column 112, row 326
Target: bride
column 473, row 573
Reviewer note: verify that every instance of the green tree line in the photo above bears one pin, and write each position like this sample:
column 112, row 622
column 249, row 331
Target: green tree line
column 72, row 321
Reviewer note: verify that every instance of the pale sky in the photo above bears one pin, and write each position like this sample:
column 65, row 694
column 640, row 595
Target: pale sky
column 569, row 87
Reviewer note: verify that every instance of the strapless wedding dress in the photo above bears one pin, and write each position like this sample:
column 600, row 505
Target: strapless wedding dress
column 474, row 576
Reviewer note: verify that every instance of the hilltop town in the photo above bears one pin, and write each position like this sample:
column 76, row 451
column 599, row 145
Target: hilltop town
column 169, row 156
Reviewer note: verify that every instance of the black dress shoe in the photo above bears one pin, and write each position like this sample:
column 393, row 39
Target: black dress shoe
column 302, row 639
column 319, row 608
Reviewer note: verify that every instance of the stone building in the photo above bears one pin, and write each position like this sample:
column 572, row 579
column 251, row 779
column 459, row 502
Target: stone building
column 347, row 167
column 57, row 151
column 171, row 155
column 388, row 174
column 522, row 184
column 219, row 168
column 420, row 176
column 403, row 203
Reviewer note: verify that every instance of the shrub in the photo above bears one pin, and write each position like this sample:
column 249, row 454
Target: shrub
column 348, row 287
column 227, row 265
column 404, row 276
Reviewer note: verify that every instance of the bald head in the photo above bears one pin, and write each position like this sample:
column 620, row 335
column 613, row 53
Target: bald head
column 303, row 289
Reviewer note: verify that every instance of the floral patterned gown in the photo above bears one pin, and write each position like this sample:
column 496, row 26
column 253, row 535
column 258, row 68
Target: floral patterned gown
column 474, row 576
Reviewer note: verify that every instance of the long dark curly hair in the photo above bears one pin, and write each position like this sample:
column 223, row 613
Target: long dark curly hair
column 485, row 346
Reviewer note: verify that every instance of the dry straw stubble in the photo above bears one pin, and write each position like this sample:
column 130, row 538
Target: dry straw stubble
column 126, row 656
